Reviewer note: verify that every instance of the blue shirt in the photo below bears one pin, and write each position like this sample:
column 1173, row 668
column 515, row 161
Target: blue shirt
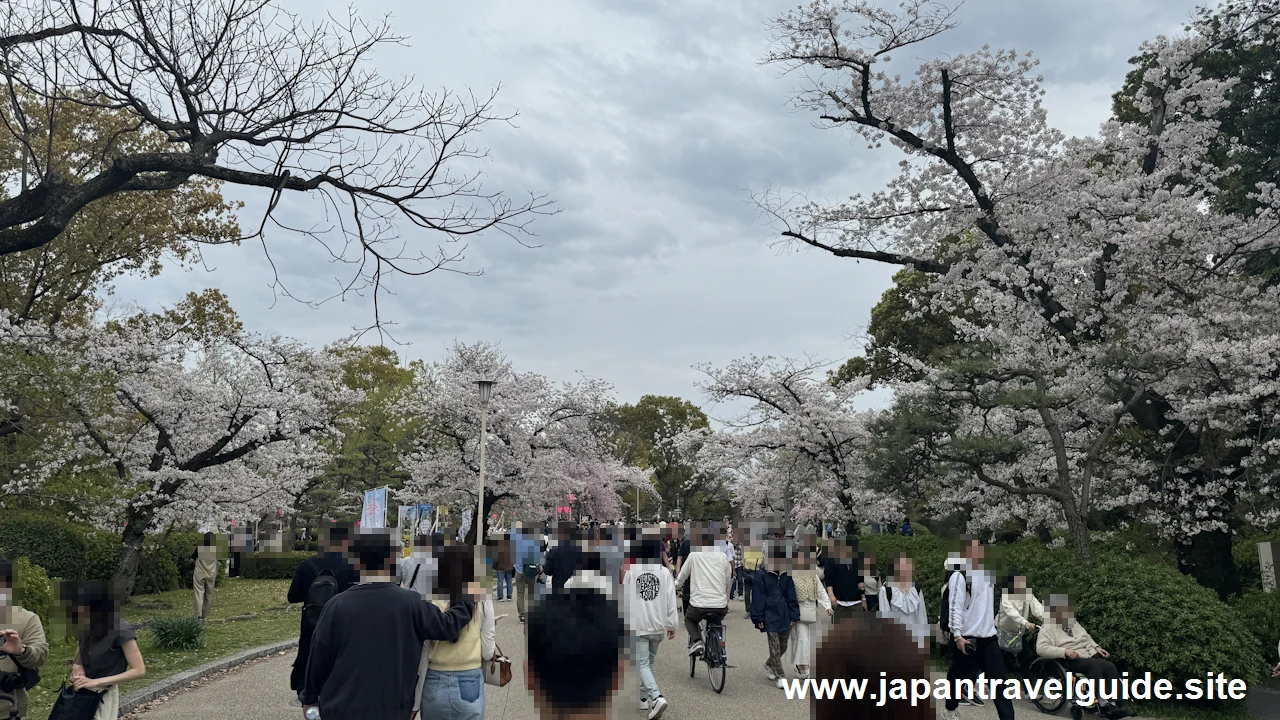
column 527, row 550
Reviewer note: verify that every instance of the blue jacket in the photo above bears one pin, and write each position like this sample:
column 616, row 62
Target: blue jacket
column 773, row 601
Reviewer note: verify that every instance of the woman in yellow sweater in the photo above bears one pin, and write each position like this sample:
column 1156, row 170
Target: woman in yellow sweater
column 450, row 678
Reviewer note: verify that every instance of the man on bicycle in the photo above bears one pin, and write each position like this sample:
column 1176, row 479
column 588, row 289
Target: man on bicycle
column 709, row 575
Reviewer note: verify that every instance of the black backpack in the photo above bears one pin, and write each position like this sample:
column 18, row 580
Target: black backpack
column 944, row 615
column 321, row 591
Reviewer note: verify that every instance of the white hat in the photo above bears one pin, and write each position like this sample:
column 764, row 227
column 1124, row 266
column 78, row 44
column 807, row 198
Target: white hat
column 954, row 563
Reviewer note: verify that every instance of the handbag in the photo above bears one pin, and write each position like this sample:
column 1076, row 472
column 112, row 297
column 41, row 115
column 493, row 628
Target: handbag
column 1010, row 642
column 808, row 612
column 75, row 704
column 497, row 670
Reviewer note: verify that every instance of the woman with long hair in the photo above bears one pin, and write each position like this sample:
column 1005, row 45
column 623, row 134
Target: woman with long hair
column 108, row 653
column 450, row 676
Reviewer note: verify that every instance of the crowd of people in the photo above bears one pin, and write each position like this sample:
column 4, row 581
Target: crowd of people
column 392, row 634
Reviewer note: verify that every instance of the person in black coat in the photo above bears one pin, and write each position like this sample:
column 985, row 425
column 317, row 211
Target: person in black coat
column 333, row 559
column 774, row 609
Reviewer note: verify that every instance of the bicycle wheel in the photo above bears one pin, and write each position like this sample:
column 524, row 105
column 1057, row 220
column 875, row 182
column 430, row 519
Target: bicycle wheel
column 716, row 667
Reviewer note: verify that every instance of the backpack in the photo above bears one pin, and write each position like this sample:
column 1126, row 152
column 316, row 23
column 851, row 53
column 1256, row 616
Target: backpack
column 321, row 591
column 944, row 616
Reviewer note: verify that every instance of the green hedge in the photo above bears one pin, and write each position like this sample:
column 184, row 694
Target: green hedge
column 53, row 545
column 1260, row 612
column 1144, row 613
column 32, row 589
column 157, row 572
column 273, row 566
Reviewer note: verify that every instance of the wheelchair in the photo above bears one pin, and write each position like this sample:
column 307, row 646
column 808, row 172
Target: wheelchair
column 1045, row 669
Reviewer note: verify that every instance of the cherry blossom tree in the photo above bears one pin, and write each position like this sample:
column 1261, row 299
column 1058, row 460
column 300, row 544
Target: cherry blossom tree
column 197, row 419
column 797, row 447
column 543, row 443
column 1111, row 298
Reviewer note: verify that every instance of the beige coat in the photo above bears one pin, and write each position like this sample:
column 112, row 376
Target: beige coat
column 1017, row 609
column 1054, row 642
column 31, row 632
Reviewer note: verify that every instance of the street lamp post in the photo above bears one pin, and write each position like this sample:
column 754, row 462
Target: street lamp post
column 486, row 392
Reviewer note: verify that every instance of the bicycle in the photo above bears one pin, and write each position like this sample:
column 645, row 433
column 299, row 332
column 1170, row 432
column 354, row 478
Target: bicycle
column 713, row 654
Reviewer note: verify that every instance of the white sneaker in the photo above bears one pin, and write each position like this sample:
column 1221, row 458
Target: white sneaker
column 769, row 674
column 697, row 648
column 950, row 715
column 781, row 683
column 659, row 707
column 644, row 703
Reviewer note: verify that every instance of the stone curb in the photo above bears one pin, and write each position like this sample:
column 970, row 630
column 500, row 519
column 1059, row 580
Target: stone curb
column 173, row 683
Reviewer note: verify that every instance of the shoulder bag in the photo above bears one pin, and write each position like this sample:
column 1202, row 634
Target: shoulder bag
column 75, row 704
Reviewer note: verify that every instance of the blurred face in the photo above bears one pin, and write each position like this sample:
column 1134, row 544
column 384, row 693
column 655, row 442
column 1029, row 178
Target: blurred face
column 903, row 569
column 1019, row 583
column 974, row 550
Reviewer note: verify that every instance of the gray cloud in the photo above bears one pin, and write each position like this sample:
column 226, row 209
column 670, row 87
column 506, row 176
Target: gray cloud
column 648, row 123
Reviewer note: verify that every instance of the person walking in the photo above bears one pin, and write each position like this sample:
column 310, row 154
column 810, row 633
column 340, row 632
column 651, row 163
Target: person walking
column 706, row 570
column 752, row 560
column 870, row 583
column 810, row 595
column 900, row 600
column 108, row 652
column 775, row 610
column 450, row 679
column 971, row 612
column 316, row 579
column 366, row 647
column 504, row 567
column 527, row 564
column 418, row 571
column 205, row 574
column 564, row 559
column 649, row 604
column 23, row 645
column 842, row 578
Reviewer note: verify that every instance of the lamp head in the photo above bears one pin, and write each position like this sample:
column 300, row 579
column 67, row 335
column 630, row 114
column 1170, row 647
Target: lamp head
column 486, row 389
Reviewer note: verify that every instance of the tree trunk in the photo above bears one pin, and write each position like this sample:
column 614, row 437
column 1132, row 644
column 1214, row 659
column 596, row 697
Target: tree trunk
column 1206, row 557
column 478, row 524
column 131, row 552
column 1079, row 533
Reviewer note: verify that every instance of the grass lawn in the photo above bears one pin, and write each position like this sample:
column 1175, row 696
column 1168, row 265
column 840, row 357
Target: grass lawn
column 274, row 622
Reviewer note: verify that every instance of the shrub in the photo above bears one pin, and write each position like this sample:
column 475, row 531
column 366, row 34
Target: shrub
column 32, row 589
column 1260, row 612
column 273, row 566
column 101, row 556
column 177, row 633
column 180, row 547
column 157, row 572
column 53, row 545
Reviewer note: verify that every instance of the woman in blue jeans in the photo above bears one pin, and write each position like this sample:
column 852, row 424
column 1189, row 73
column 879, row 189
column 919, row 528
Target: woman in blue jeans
column 450, row 677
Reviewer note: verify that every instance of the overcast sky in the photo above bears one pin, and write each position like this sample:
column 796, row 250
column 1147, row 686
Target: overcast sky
column 649, row 123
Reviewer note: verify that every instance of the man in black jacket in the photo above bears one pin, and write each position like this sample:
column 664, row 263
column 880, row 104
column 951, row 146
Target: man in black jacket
column 334, row 559
column 366, row 647
column 843, row 580
column 565, row 558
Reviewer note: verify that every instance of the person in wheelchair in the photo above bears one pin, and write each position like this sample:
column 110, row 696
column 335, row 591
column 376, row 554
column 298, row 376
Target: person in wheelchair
column 1064, row 639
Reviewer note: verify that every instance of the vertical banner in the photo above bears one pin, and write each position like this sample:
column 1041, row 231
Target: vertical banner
column 1266, row 561
column 466, row 524
column 408, row 519
column 424, row 524
column 374, row 513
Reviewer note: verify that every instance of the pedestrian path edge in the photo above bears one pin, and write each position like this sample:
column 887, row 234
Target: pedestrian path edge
column 173, row 683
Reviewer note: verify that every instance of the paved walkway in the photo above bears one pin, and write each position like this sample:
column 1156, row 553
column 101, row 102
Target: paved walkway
column 261, row 691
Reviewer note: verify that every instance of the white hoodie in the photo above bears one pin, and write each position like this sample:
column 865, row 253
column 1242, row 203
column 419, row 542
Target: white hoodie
column 649, row 599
